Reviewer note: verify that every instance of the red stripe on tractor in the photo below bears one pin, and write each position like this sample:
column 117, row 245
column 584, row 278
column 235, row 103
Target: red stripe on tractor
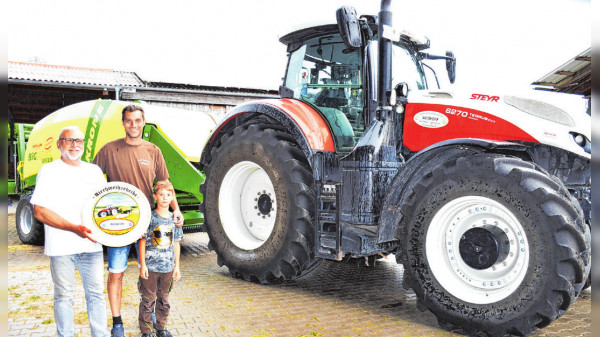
column 462, row 123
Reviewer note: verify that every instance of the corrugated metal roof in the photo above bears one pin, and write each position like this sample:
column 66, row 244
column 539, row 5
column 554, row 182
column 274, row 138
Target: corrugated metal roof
column 574, row 76
column 180, row 86
column 72, row 75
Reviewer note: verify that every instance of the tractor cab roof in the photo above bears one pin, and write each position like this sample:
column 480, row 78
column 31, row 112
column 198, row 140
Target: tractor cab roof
column 295, row 39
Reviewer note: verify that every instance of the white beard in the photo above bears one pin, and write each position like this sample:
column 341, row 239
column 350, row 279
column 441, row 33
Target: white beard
column 71, row 157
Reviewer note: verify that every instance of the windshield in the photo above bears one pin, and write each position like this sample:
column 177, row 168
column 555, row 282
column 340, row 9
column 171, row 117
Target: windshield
column 406, row 68
column 328, row 75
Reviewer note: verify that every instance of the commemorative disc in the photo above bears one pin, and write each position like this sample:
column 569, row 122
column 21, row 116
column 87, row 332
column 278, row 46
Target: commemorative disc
column 117, row 213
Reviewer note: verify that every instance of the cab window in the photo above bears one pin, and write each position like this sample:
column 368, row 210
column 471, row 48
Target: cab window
column 328, row 75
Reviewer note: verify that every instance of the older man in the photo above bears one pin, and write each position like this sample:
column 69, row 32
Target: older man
column 61, row 189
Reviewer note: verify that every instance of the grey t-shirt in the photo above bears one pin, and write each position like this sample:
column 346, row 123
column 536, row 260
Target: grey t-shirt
column 160, row 254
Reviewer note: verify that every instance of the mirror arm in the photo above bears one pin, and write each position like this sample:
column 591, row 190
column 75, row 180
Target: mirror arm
column 435, row 57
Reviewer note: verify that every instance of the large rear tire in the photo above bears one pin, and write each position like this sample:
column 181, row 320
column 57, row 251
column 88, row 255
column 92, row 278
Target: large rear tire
column 258, row 204
column 492, row 244
column 29, row 229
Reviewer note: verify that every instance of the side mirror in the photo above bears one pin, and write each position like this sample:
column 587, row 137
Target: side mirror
column 349, row 26
column 451, row 66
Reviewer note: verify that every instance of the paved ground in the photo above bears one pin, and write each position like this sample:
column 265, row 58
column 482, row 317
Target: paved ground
column 338, row 299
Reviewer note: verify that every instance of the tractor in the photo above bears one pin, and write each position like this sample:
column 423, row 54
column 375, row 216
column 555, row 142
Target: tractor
column 108, row 210
column 484, row 198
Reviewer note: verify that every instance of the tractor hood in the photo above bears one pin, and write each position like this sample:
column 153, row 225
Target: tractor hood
column 549, row 118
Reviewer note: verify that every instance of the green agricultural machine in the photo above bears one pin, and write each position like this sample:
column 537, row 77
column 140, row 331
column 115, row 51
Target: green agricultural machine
column 31, row 146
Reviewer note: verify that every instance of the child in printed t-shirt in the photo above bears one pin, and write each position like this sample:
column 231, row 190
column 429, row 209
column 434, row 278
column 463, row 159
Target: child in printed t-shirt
column 159, row 263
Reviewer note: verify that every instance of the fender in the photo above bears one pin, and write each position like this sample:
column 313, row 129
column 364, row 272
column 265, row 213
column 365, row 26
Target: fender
column 477, row 142
column 306, row 125
column 390, row 221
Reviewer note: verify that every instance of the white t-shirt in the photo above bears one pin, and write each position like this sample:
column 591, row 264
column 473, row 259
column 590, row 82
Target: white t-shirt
column 63, row 189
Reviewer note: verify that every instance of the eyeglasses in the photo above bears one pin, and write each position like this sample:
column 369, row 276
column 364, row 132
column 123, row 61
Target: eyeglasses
column 70, row 141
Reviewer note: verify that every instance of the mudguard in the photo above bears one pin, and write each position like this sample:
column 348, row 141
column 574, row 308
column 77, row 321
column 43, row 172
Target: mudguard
column 306, row 125
column 391, row 218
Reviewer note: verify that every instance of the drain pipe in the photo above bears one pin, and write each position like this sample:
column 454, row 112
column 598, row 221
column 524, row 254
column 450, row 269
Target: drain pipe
column 117, row 93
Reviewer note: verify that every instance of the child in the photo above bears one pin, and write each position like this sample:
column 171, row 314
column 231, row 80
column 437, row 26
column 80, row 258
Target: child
column 159, row 263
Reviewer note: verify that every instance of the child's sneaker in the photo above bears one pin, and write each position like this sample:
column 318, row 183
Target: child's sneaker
column 149, row 334
column 163, row 333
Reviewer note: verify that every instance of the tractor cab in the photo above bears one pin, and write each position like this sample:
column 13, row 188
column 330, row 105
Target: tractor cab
column 340, row 81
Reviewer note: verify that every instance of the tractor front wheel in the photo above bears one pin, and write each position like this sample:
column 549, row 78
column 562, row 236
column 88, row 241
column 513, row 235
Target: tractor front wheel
column 258, row 204
column 493, row 244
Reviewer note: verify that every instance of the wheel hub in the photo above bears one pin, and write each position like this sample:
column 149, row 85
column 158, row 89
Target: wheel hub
column 482, row 247
column 264, row 204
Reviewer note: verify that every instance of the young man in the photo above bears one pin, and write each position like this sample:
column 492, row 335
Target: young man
column 137, row 162
column 159, row 263
column 61, row 189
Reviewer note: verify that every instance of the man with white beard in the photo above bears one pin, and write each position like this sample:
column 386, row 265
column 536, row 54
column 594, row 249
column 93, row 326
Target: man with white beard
column 60, row 192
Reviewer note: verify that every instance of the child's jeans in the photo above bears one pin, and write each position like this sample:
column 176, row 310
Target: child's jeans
column 154, row 294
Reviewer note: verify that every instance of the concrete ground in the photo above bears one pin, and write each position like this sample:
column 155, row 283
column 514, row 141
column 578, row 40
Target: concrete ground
column 337, row 299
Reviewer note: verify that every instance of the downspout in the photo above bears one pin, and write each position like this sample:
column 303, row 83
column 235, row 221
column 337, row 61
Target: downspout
column 117, row 93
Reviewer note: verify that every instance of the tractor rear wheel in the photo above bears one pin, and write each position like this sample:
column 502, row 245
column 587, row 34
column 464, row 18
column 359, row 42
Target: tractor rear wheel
column 29, row 229
column 493, row 244
column 258, row 204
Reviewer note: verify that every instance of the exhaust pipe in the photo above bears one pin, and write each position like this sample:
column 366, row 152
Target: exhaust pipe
column 384, row 83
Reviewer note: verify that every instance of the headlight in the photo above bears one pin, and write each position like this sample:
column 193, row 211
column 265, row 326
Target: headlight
column 540, row 109
column 582, row 141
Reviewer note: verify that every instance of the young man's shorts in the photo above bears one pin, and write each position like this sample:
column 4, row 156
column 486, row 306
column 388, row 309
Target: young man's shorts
column 117, row 258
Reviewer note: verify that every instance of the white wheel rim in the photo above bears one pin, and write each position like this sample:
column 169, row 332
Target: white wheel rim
column 442, row 249
column 26, row 222
column 246, row 222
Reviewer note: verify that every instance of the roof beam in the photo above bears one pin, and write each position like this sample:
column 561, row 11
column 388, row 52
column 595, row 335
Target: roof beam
column 565, row 73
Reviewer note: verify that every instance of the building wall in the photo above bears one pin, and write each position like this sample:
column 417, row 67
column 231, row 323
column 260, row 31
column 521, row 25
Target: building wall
column 217, row 104
column 31, row 103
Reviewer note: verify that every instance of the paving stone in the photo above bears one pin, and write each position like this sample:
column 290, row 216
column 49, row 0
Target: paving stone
column 338, row 299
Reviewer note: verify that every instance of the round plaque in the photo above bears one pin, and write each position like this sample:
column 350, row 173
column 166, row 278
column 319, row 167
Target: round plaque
column 117, row 213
